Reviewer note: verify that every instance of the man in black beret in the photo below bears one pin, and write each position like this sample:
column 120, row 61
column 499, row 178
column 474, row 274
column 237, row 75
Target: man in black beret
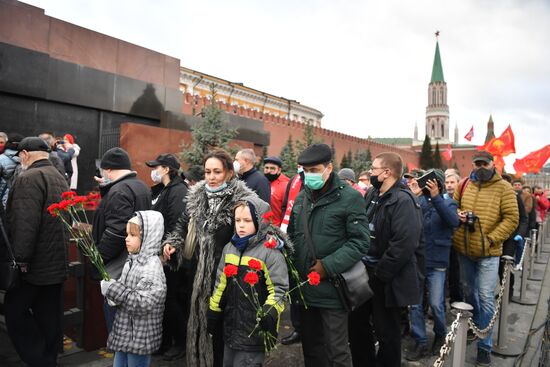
column 273, row 167
column 336, row 223
column 122, row 194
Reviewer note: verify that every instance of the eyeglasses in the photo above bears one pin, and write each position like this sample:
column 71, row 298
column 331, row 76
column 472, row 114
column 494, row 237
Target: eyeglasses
column 372, row 169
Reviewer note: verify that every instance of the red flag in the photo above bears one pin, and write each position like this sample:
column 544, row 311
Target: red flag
column 532, row 162
column 499, row 163
column 447, row 154
column 470, row 134
column 503, row 145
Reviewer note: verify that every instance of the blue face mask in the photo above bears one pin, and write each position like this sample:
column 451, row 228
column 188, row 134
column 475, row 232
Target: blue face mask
column 216, row 189
column 314, row 180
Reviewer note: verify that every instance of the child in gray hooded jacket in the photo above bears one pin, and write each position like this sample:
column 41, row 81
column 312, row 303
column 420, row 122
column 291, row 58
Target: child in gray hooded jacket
column 139, row 294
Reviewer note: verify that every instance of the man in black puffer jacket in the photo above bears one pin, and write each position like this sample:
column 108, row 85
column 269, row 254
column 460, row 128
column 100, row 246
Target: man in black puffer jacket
column 122, row 194
column 33, row 310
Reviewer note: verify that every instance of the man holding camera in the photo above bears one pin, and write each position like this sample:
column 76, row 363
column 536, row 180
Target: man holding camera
column 488, row 212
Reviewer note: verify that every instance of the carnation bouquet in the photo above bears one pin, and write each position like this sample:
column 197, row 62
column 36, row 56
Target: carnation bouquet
column 252, row 278
column 71, row 210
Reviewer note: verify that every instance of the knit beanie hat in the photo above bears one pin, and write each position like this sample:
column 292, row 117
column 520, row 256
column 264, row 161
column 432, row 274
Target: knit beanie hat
column 347, row 174
column 116, row 158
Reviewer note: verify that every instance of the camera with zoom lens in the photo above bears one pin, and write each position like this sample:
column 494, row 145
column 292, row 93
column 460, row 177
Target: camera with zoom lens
column 471, row 221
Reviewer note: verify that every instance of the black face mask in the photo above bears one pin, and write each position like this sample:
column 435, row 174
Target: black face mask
column 484, row 174
column 272, row 176
column 375, row 183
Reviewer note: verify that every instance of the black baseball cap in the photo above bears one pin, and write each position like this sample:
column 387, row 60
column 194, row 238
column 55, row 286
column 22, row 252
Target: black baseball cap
column 32, row 144
column 483, row 156
column 166, row 159
column 415, row 173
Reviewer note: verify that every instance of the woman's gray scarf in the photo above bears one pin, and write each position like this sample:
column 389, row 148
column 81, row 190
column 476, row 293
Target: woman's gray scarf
column 211, row 211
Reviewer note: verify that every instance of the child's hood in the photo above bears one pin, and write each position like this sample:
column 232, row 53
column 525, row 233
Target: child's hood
column 264, row 228
column 152, row 230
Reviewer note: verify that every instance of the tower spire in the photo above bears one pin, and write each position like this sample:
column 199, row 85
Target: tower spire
column 437, row 111
column 437, row 69
column 490, row 129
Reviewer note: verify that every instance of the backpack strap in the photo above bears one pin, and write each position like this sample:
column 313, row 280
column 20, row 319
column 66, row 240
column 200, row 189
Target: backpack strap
column 461, row 187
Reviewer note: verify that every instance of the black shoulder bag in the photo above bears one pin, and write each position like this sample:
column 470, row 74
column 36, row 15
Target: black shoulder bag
column 352, row 285
column 9, row 270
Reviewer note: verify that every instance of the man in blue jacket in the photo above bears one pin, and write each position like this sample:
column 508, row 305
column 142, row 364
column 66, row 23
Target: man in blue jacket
column 440, row 219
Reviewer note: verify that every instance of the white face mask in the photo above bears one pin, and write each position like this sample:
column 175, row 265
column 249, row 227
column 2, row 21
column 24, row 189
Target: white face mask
column 362, row 185
column 236, row 166
column 155, row 176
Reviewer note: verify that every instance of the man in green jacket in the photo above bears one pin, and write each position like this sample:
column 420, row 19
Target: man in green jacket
column 337, row 226
column 488, row 212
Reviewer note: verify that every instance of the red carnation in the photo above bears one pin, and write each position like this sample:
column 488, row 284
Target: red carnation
column 90, row 205
column 94, row 196
column 53, row 209
column 268, row 217
column 68, row 195
column 271, row 243
column 314, row 278
column 251, row 278
column 230, row 270
column 255, row 264
column 64, row 205
column 80, row 199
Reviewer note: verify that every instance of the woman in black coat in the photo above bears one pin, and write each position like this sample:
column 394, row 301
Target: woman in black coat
column 169, row 197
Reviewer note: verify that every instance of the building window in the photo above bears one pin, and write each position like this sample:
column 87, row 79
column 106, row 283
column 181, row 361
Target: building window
column 442, row 131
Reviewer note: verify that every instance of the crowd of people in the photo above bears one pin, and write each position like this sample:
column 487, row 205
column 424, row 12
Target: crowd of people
column 202, row 268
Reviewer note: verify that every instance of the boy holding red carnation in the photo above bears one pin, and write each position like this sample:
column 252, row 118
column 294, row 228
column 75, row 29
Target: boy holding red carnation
column 251, row 284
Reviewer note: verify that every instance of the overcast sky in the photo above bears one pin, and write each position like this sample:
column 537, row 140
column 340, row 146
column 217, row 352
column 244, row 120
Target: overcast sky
column 365, row 64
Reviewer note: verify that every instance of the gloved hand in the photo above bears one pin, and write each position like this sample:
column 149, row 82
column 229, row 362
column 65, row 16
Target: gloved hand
column 518, row 238
column 105, row 284
column 212, row 320
column 268, row 322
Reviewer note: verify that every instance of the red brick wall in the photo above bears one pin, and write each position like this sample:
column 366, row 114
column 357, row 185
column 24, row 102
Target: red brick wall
column 144, row 143
column 280, row 128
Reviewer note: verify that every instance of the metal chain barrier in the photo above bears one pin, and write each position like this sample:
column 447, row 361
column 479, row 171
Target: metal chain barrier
column 485, row 332
column 520, row 264
column 445, row 349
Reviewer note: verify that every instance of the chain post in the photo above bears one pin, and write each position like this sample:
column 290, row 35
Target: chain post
column 532, row 255
column 524, row 263
column 463, row 311
column 504, row 346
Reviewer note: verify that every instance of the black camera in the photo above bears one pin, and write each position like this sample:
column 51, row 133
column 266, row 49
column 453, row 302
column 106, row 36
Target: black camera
column 471, row 221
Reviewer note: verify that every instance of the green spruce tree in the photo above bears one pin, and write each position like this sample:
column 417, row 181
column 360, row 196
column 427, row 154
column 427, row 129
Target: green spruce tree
column 344, row 163
column 288, row 156
column 361, row 162
column 426, row 157
column 438, row 163
column 309, row 138
column 210, row 133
